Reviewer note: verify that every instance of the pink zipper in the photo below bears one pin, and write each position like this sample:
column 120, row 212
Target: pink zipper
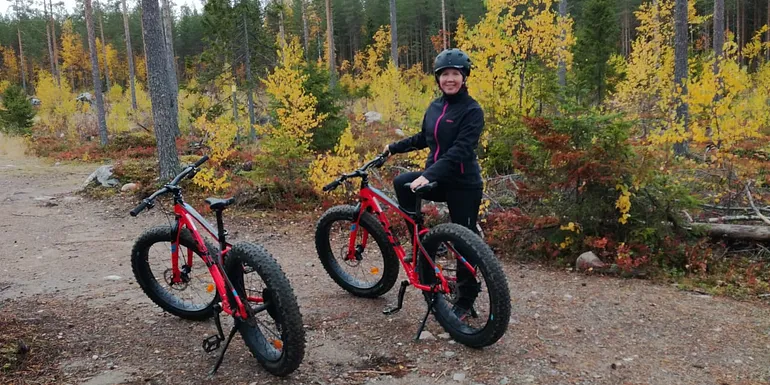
column 435, row 132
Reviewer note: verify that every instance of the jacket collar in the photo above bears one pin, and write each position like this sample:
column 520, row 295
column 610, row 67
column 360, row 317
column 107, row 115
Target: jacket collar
column 456, row 98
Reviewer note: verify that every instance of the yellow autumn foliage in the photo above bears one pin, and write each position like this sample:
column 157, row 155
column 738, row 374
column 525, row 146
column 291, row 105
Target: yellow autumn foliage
column 58, row 107
column 220, row 136
column 327, row 167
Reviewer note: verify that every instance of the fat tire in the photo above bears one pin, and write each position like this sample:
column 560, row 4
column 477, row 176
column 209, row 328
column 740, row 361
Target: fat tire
column 293, row 334
column 147, row 280
column 478, row 253
column 376, row 231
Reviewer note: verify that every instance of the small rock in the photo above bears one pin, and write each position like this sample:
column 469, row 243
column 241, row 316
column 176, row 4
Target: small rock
column 372, row 116
column 459, row 376
column 738, row 361
column 129, row 187
column 444, row 336
column 112, row 278
column 157, row 351
column 589, row 260
column 94, row 357
column 426, row 335
column 525, row 379
column 426, row 351
column 449, row 354
column 505, row 381
column 567, row 297
column 44, row 198
column 111, row 366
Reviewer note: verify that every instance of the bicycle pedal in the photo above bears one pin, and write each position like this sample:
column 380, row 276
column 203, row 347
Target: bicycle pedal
column 211, row 343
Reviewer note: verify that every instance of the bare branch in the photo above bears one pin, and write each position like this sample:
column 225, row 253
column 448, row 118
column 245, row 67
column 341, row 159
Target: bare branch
column 753, row 206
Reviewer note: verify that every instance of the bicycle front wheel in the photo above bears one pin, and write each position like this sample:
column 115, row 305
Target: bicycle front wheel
column 373, row 269
column 477, row 310
column 193, row 298
column 274, row 334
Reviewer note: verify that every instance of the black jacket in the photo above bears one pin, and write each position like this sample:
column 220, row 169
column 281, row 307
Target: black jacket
column 451, row 128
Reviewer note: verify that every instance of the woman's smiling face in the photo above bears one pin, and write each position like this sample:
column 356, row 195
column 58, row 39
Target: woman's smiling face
column 450, row 81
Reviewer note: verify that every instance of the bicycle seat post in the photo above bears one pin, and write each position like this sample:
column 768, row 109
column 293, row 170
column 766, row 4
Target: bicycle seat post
column 221, row 229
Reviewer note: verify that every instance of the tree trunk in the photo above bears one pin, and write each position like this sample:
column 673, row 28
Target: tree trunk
column 330, row 42
column 21, row 60
column 157, row 74
column 719, row 32
column 48, row 27
column 767, row 51
column 443, row 24
column 393, row 34
column 305, row 30
column 562, row 63
column 95, row 73
column 234, row 88
column 281, row 30
column 173, row 85
column 738, row 232
column 129, row 55
column 249, row 79
column 104, row 48
column 680, row 68
column 55, row 44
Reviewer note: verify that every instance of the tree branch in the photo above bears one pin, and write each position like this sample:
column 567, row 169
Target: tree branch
column 753, row 206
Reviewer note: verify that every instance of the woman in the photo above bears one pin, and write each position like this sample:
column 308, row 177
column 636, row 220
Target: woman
column 451, row 128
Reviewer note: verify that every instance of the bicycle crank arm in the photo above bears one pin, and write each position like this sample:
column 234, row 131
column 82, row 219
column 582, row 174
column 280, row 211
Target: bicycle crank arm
column 400, row 304
column 212, row 343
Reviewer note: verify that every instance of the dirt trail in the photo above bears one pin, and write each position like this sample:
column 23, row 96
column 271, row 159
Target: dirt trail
column 566, row 328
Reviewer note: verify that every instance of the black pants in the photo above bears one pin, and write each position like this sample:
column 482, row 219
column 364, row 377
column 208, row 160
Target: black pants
column 463, row 209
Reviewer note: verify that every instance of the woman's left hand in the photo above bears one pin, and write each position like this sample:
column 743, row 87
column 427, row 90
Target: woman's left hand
column 421, row 181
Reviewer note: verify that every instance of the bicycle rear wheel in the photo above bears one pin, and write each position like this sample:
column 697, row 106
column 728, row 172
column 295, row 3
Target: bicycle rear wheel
column 274, row 335
column 477, row 309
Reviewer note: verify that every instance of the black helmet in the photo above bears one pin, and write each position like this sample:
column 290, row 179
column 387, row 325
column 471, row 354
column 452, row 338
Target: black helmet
column 452, row 58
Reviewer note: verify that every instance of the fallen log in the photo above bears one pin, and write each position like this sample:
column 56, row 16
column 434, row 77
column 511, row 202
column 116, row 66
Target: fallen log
column 729, row 231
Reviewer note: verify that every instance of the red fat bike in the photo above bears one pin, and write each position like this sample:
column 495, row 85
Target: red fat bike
column 194, row 279
column 462, row 282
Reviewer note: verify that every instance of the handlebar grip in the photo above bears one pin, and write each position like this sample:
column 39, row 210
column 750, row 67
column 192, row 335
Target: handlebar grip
column 201, row 161
column 140, row 208
column 331, row 186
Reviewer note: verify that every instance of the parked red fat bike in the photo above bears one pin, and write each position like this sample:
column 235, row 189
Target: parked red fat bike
column 462, row 282
column 194, row 279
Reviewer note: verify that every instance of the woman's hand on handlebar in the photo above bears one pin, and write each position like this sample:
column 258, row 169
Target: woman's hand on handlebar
column 420, row 181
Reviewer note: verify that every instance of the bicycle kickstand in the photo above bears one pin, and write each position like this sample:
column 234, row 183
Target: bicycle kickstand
column 224, row 349
column 212, row 343
column 427, row 313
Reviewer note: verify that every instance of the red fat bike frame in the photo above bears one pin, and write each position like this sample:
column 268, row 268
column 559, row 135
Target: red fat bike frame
column 369, row 201
column 186, row 216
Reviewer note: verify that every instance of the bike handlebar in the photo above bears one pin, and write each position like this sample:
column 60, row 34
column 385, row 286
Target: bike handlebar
column 188, row 171
column 376, row 162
